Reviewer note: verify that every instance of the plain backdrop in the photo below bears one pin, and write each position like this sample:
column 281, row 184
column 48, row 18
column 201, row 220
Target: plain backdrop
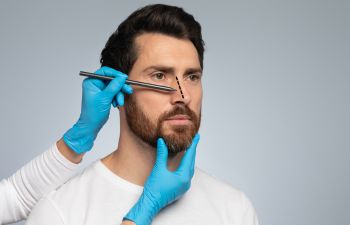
column 276, row 101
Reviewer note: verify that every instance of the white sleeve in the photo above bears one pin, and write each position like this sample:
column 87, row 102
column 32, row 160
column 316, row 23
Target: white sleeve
column 45, row 213
column 20, row 192
column 249, row 215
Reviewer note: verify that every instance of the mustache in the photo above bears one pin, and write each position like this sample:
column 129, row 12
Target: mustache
column 179, row 110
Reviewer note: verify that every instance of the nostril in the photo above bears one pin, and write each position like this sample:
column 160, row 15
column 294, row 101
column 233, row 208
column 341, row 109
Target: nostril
column 178, row 83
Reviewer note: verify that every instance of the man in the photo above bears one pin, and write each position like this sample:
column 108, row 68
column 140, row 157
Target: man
column 150, row 178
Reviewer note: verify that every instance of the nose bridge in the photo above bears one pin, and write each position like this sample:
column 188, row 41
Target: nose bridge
column 181, row 95
column 179, row 87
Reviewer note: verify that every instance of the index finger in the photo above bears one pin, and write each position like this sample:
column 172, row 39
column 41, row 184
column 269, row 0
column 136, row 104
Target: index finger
column 110, row 72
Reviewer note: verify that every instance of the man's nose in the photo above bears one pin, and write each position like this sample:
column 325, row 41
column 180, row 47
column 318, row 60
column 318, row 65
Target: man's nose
column 182, row 95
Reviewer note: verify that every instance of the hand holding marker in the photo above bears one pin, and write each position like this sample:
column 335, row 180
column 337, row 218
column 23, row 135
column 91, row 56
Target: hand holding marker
column 96, row 104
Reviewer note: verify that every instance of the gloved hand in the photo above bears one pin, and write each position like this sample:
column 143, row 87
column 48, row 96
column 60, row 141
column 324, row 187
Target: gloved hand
column 163, row 186
column 97, row 98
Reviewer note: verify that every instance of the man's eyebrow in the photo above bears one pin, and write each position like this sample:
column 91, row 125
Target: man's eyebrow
column 171, row 69
column 160, row 68
column 194, row 70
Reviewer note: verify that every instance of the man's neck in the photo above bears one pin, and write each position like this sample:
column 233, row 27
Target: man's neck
column 134, row 159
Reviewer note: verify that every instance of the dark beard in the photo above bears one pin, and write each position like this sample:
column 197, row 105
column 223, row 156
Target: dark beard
column 180, row 137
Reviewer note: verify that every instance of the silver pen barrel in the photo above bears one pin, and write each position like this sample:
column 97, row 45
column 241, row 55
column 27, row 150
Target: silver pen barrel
column 131, row 82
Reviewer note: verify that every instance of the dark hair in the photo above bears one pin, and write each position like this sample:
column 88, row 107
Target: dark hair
column 120, row 52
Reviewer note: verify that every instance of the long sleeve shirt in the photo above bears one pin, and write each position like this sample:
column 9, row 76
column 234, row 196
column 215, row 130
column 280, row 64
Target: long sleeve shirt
column 20, row 192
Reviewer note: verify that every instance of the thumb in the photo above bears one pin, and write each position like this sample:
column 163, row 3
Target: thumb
column 162, row 153
column 187, row 162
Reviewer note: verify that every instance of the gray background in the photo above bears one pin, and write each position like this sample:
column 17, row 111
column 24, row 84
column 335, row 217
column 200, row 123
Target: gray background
column 276, row 94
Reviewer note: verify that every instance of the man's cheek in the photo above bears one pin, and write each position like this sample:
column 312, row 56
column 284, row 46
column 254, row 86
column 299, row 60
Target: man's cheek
column 156, row 119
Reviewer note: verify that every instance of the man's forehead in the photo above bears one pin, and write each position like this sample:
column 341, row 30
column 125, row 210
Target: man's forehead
column 160, row 50
column 144, row 39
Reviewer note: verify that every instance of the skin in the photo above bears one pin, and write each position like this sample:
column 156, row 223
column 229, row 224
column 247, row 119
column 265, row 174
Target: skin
column 134, row 159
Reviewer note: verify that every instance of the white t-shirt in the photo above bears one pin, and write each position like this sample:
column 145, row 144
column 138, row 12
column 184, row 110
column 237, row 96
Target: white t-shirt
column 20, row 192
column 98, row 196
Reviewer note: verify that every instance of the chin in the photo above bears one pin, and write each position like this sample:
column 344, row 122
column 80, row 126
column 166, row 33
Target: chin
column 178, row 141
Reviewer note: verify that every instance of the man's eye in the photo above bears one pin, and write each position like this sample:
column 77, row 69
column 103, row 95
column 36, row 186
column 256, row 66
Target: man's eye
column 159, row 76
column 194, row 77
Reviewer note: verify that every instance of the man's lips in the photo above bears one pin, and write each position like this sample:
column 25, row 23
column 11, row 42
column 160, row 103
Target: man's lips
column 179, row 117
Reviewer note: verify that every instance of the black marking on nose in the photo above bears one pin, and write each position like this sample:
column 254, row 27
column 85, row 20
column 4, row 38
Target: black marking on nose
column 179, row 87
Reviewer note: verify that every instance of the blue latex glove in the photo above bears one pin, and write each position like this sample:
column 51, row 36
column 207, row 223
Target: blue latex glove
column 97, row 98
column 163, row 186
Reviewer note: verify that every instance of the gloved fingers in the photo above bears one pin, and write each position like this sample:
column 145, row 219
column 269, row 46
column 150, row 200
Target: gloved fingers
column 93, row 84
column 192, row 166
column 120, row 98
column 114, row 86
column 194, row 158
column 187, row 162
column 162, row 153
column 127, row 89
column 109, row 72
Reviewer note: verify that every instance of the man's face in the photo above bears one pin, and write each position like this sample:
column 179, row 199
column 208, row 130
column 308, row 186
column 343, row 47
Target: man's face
column 175, row 116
